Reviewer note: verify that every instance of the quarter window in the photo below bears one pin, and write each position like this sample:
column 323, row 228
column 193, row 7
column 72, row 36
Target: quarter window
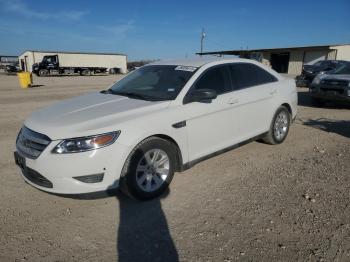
column 216, row 78
column 246, row 75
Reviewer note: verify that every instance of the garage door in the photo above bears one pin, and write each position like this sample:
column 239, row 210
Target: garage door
column 312, row 57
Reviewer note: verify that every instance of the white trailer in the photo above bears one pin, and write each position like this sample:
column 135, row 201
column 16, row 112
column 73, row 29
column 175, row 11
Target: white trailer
column 45, row 63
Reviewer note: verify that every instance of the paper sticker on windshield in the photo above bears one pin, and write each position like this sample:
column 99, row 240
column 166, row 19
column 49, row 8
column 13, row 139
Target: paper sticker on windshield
column 186, row 68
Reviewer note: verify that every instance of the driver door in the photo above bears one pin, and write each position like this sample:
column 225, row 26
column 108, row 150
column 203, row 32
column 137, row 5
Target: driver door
column 211, row 126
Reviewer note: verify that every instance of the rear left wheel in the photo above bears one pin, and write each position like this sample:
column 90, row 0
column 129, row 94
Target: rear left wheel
column 279, row 127
column 85, row 72
column 149, row 169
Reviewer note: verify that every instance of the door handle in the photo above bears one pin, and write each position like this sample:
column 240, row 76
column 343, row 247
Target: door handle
column 273, row 92
column 232, row 101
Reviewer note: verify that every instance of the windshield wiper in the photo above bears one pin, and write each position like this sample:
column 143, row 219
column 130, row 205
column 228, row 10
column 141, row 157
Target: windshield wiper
column 132, row 95
column 106, row 91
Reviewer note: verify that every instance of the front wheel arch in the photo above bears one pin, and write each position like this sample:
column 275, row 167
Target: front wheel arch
column 288, row 107
column 179, row 158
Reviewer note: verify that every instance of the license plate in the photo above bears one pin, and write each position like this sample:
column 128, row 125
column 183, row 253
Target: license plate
column 20, row 160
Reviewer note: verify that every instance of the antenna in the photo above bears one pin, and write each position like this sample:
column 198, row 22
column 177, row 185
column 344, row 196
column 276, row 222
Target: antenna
column 202, row 40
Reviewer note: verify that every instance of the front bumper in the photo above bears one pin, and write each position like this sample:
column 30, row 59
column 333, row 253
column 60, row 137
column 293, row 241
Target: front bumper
column 60, row 169
column 340, row 95
column 304, row 80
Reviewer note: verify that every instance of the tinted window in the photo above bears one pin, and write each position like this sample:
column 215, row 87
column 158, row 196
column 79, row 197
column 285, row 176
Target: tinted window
column 246, row 75
column 216, row 78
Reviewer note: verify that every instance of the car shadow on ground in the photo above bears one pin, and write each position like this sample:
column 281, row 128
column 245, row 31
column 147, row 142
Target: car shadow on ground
column 143, row 231
column 340, row 127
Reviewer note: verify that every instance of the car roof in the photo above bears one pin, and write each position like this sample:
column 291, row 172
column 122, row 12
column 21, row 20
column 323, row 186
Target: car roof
column 199, row 61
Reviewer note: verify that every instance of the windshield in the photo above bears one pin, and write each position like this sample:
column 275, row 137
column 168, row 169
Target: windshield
column 321, row 63
column 154, row 83
column 343, row 69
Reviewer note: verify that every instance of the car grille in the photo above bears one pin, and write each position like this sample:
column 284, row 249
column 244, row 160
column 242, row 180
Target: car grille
column 36, row 178
column 337, row 90
column 31, row 143
column 335, row 83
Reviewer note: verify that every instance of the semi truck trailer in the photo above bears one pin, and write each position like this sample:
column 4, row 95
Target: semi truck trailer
column 69, row 63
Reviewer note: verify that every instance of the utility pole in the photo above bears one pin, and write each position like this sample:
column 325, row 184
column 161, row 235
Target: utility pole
column 202, row 39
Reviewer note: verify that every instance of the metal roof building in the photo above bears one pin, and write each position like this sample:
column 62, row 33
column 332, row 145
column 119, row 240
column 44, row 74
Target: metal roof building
column 290, row 59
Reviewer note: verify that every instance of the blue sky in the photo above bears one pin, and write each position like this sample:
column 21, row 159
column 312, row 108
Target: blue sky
column 169, row 29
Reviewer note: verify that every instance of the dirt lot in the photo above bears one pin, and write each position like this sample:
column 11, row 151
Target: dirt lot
column 257, row 203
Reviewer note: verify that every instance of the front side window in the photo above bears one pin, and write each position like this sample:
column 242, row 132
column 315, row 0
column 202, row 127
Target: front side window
column 216, row 78
column 154, row 82
column 246, row 75
column 50, row 59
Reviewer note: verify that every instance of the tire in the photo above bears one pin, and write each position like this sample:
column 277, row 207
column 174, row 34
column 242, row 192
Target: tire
column 279, row 127
column 43, row 72
column 85, row 72
column 141, row 178
column 317, row 102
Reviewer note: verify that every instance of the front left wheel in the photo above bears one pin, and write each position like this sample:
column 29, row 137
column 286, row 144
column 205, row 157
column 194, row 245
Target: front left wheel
column 149, row 169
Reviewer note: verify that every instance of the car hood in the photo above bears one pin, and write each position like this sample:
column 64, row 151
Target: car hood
column 89, row 114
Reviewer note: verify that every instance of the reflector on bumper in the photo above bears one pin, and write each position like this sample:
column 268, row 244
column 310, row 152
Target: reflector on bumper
column 90, row 178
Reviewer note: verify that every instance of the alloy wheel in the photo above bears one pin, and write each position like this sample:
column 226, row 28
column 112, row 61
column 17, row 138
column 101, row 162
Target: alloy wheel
column 152, row 170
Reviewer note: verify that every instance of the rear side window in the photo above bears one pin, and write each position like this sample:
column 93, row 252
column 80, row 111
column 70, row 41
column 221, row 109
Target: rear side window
column 216, row 78
column 246, row 75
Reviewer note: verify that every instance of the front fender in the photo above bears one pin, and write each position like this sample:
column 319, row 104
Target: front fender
column 132, row 138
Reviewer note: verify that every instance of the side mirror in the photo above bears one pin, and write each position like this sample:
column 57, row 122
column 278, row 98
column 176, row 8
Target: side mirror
column 202, row 95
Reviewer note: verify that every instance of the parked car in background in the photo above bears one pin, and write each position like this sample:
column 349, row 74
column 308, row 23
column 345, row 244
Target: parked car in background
column 161, row 118
column 310, row 71
column 11, row 68
column 332, row 86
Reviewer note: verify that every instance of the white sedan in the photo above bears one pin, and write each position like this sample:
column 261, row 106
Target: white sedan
column 161, row 118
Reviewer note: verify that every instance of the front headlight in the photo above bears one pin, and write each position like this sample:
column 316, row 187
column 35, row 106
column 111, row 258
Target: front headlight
column 82, row 144
column 317, row 80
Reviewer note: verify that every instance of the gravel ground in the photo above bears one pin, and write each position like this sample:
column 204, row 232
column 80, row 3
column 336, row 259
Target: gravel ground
column 289, row 202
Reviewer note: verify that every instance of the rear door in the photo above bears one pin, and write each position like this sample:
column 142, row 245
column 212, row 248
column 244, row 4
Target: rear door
column 255, row 89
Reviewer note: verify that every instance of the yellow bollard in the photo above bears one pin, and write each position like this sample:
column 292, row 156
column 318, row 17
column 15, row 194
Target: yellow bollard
column 25, row 79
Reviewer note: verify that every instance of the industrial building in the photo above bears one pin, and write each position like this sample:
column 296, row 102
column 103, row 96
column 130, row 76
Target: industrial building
column 72, row 59
column 291, row 59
